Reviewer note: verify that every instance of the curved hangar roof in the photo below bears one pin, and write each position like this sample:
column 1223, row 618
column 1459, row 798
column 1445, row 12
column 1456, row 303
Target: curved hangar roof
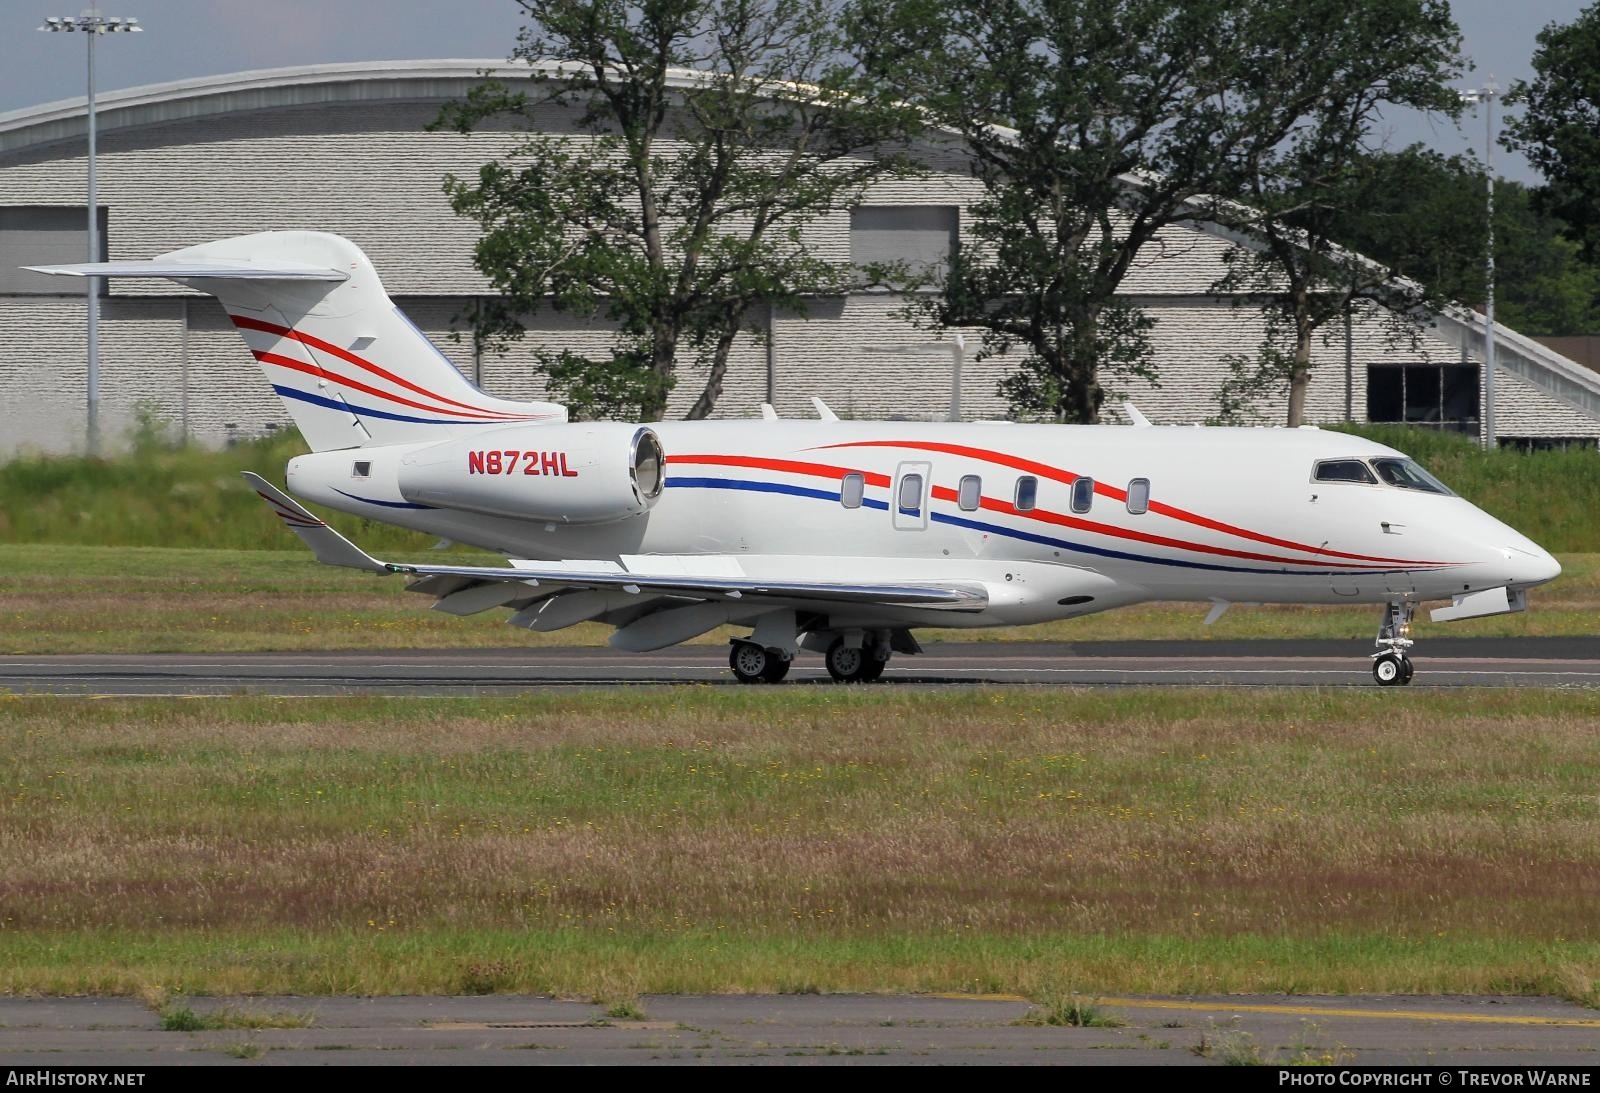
column 265, row 89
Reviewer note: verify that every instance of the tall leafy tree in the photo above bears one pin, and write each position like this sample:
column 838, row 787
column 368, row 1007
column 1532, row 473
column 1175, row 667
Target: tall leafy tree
column 1424, row 219
column 1297, row 199
column 1392, row 230
column 1559, row 128
column 1092, row 125
column 710, row 135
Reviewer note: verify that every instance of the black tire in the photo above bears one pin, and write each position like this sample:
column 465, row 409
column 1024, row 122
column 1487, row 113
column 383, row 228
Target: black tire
column 874, row 667
column 1407, row 670
column 777, row 668
column 750, row 662
column 846, row 665
column 1389, row 670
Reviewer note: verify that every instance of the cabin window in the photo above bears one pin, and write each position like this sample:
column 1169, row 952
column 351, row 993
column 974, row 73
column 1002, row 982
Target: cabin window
column 1139, row 496
column 971, row 493
column 851, row 489
column 1027, row 492
column 911, row 495
column 1344, row 470
column 362, row 468
column 1406, row 474
column 1082, row 494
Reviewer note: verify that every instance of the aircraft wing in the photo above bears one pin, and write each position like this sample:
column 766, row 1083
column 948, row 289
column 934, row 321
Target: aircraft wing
column 469, row 589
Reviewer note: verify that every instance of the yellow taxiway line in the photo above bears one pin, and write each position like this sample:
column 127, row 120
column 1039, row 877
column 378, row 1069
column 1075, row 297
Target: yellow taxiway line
column 1299, row 1010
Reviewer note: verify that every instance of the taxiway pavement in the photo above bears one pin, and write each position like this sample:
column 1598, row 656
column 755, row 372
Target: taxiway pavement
column 1460, row 662
column 810, row 1029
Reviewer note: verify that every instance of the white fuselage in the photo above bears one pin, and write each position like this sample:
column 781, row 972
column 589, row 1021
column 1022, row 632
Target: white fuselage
column 1233, row 515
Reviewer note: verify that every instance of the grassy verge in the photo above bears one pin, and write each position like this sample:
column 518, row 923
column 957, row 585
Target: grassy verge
column 160, row 492
column 67, row 599
column 710, row 840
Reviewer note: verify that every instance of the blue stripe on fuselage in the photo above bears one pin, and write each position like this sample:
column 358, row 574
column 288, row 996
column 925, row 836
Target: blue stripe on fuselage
column 1024, row 536
column 768, row 487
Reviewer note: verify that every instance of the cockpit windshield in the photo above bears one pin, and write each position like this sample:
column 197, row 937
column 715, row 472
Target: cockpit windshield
column 1409, row 475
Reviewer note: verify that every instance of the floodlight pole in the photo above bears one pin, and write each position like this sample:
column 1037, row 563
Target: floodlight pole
column 92, row 24
column 1486, row 95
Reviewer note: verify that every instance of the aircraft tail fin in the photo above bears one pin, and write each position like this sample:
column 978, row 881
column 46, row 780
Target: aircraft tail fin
column 351, row 369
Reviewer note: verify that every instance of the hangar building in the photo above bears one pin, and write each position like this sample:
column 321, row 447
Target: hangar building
column 343, row 148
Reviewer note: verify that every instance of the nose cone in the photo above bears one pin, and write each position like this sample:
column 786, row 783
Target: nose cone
column 1531, row 566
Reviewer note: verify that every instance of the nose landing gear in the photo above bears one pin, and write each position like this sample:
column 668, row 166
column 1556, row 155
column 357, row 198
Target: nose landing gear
column 1390, row 665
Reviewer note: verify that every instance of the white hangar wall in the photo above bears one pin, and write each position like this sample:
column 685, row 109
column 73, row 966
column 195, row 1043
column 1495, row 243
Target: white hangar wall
column 343, row 149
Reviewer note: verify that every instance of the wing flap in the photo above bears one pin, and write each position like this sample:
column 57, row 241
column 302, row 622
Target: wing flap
column 954, row 596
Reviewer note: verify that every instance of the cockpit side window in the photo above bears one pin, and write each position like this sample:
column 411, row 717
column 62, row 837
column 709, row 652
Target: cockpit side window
column 1344, row 470
column 1407, row 474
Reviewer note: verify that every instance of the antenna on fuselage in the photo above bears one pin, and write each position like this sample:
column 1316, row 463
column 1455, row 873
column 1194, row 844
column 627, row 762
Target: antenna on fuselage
column 1135, row 416
column 822, row 409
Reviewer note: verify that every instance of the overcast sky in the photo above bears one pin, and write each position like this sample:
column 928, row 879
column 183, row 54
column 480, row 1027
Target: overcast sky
column 187, row 38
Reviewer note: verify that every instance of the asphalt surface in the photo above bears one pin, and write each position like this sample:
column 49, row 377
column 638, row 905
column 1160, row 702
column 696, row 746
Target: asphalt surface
column 807, row 1029
column 1570, row 662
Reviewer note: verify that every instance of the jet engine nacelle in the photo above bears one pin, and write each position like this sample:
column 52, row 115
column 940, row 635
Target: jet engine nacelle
column 584, row 473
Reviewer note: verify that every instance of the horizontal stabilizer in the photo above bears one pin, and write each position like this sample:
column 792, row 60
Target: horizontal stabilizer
column 178, row 270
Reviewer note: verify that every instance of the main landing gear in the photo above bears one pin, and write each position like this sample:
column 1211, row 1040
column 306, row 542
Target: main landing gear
column 752, row 663
column 1391, row 666
column 862, row 664
column 859, row 661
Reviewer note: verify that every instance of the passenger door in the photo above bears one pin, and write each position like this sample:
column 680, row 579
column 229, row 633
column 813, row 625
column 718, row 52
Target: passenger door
column 910, row 500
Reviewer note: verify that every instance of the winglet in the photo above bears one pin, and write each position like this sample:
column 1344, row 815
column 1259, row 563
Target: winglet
column 822, row 409
column 328, row 545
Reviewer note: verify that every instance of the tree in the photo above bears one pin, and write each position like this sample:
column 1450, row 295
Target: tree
column 1092, row 125
column 1559, row 129
column 1296, row 200
column 1412, row 229
column 684, row 203
column 1424, row 220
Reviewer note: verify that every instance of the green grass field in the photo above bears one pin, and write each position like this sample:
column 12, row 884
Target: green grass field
column 90, row 562
column 74, row 599
column 707, row 839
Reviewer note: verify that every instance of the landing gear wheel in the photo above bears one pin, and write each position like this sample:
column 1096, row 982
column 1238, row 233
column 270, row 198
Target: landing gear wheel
column 777, row 668
column 1407, row 670
column 1391, row 669
column 874, row 667
column 751, row 663
column 847, row 665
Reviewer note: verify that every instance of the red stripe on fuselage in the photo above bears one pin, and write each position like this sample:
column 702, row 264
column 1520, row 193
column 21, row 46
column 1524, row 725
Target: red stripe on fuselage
column 345, row 355
column 945, row 493
column 819, row 470
column 1044, row 470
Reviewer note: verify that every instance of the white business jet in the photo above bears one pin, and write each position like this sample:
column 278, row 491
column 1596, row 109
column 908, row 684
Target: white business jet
column 838, row 537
